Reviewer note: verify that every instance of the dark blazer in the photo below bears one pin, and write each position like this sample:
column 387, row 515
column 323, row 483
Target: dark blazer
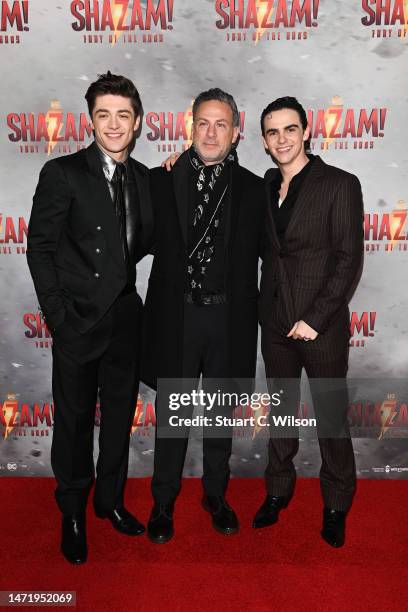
column 315, row 272
column 73, row 246
column 164, row 306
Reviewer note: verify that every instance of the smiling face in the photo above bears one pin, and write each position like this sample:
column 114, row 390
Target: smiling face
column 213, row 131
column 284, row 137
column 114, row 123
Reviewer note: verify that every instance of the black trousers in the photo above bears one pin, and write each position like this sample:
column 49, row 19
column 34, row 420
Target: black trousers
column 324, row 358
column 79, row 369
column 204, row 353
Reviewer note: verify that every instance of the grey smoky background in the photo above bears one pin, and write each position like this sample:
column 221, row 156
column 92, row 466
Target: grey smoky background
column 340, row 60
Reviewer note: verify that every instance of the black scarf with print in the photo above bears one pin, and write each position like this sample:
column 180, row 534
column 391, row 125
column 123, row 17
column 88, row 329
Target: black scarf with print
column 211, row 187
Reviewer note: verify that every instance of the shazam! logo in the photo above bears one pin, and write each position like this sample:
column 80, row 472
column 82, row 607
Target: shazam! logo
column 362, row 327
column 387, row 231
column 14, row 19
column 343, row 128
column 53, row 131
column 387, row 19
column 266, row 20
column 13, row 235
column 171, row 131
column 122, row 21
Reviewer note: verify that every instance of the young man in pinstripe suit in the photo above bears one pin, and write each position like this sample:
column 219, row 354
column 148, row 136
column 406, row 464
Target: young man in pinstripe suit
column 312, row 260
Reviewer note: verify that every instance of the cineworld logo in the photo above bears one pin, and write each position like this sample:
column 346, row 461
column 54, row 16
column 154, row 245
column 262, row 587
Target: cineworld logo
column 24, row 419
column 171, row 131
column 339, row 127
column 123, row 21
column 387, row 231
column 13, row 235
column 13, row 18
column 253, row 20
column 52, row 131
column 362, row 326
column 381, row 14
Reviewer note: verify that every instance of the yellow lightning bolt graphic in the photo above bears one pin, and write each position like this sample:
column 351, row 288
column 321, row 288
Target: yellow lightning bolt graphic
column 263, row 411
column 188, row 120
column 387, row 412
column 8, row 409
column 139, row 414
column 51, row 121
column 116, row 14
column 261, row 9
column 396, row 219
column 330, row 118
column 404, row 28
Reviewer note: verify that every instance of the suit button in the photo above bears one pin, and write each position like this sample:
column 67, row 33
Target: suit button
column 98, row 251
column 96, row 275
column 98, row 229
column 283, row 253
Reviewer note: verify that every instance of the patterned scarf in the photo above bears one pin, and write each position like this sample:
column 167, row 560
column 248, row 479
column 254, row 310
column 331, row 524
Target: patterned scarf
column 211, row 186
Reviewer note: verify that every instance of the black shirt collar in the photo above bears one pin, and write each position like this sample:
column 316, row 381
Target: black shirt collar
column 296, row 179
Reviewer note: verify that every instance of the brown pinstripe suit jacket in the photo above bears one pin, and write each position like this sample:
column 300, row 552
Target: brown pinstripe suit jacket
column 313, row 276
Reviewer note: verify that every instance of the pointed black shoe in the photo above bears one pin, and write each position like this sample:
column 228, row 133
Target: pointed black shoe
column 224, row 519
column 73, row 539
column 334, row 527
column 268, row 513
column 122, row 521
column 160, row 526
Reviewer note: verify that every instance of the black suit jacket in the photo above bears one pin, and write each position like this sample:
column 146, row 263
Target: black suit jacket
column 73, row 245
column 312, row 276
column 164, row 306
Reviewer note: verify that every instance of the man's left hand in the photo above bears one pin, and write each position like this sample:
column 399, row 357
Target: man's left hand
column 302, row 331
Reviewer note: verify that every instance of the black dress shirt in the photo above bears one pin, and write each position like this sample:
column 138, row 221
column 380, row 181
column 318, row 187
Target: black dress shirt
column 282, row 214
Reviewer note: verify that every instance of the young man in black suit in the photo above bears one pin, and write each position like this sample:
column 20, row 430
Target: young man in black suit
column 90, row 224
column 312, row 260
column 201, row 305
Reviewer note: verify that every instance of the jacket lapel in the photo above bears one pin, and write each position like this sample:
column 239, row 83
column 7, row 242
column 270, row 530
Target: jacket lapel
column 270, row 223
column 102, row 201
column 235, row 191
column 141, row 175
column 307, row 193
column 182, row 186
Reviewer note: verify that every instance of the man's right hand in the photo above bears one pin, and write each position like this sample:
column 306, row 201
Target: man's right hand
column 170, row 161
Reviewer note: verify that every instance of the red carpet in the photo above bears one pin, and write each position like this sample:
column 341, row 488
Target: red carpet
column 285, row 568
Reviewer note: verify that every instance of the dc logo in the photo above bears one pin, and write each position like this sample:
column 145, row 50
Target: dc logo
column 12, row 466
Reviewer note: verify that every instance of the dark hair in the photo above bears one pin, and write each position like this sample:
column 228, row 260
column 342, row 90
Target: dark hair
column 217, row 94
column 114, row 84
column 286, row 102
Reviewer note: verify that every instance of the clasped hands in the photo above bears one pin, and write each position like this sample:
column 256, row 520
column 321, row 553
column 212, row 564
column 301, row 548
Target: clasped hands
column 302, row 331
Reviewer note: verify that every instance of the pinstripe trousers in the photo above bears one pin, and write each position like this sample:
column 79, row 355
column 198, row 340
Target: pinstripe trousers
column 324, row 358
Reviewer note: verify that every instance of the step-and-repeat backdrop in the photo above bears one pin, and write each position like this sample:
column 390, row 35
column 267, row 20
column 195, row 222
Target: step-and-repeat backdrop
column 345, row 61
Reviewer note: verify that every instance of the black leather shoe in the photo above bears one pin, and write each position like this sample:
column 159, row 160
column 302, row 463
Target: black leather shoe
column 73, row 540
column 160, row 526
column 224, row 519
column 268, row 513
column 334, row 527
column 122, row 521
